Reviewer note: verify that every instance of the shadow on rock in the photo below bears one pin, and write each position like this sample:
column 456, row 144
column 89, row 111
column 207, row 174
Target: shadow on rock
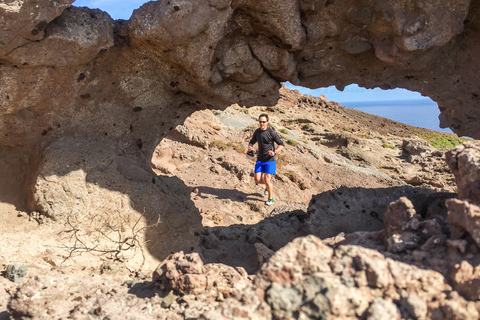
column 359, row 209
column 119, row 204
column 231, row 194
column 237, row 245
column 350, row 215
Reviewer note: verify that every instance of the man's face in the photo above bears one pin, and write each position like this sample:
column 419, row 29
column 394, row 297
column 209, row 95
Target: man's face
column 263, row 123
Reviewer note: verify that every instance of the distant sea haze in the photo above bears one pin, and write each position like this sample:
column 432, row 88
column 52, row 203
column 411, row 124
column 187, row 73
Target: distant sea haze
column 421, row 113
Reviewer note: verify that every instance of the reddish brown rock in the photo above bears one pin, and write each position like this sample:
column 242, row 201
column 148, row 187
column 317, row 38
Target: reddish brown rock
column 467, row 280
column 464, row 161
column 398, row 214
column 306, row 279
column 186, row 274
column 465, row 216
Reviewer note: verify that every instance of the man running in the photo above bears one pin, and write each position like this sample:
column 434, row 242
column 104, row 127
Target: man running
column 265, row 166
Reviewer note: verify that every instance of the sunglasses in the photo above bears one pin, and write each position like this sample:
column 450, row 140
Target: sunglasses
column 262, row 121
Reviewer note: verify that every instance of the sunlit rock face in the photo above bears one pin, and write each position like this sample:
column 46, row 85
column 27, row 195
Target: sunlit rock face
column 74, row 72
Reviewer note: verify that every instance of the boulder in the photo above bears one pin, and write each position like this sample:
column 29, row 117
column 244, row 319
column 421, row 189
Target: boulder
column 465, row 217
column 464, row 161
column 398, row 214
column 186, row 274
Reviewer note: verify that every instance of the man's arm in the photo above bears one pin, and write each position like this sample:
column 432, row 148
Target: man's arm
column 252, row 142
column 280, row 143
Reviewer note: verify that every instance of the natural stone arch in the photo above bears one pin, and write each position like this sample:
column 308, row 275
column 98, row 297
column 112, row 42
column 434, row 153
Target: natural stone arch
column 73, row 78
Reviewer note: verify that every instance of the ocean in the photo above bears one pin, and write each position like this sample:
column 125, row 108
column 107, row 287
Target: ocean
column 421, row 113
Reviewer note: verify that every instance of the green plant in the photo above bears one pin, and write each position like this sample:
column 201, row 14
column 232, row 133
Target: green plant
column 347, row 129
column 292, row 176
column 440, row 140
column 284, row 131
column 219, row 145
column 292, row 142
column 306, row 126
column 386, row 145
column 222, row 145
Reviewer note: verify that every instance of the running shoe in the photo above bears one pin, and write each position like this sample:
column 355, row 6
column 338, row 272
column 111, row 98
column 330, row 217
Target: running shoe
column 269, row 202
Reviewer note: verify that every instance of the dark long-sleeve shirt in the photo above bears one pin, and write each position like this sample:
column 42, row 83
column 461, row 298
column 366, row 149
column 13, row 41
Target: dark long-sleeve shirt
column 266, row 141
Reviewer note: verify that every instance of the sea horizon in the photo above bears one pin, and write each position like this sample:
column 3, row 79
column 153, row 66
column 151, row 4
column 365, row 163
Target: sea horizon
column 422, row 113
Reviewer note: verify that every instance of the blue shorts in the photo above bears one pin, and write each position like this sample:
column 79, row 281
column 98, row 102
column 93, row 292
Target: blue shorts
column 269, row 167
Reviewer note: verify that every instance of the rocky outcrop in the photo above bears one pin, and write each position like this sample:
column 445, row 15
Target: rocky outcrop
column 85, row 100
column 187, row 275
column 464, row 162
column 307, row 279
column 358, row 209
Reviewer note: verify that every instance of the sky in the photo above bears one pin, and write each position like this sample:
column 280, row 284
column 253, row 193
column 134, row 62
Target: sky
column 117, row 9
column 354, row 93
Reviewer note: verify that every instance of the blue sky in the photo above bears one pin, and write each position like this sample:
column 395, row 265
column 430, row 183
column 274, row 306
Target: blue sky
column 122, row 9
column 353, row 93
column 117, row 9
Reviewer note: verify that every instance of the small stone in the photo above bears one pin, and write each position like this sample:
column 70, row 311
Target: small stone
column 398, row 213
column 196, row 198
column 16, row 272
column 348, row 281
column 263, row 253
column 460, row 245
column 381, row 309
column 195, row 190
column 168, row 300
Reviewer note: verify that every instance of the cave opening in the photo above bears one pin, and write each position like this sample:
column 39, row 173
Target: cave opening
column 401, row 105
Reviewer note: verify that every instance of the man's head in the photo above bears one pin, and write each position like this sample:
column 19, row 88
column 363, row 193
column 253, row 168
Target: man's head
column 263, row 121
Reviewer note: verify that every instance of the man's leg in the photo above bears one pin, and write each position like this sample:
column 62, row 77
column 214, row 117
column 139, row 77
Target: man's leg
column 268, row 185
column 259, row 170
column 259, row 178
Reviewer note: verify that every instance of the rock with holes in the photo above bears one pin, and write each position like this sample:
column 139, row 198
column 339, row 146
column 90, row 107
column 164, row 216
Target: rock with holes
column 357, row 209
column 464, row 161
column 308, row 280
column 465, row 217
column 186, row 274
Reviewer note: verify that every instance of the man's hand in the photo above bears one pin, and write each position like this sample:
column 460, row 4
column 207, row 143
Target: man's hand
column 250, row 147
column 271, row 153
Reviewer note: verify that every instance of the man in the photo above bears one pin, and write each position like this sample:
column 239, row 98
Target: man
column 265, row 166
